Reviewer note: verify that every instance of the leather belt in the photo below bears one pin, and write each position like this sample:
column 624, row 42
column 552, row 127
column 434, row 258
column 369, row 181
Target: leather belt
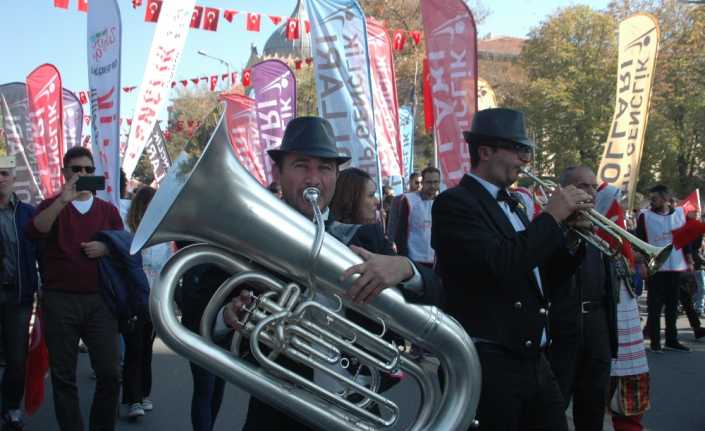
column 590, row 306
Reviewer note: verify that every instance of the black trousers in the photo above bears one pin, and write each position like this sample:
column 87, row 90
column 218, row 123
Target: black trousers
column 518, row 393
column 663, row 292
column 14, row 326
column 582, row 370
column 68, row 317
column 137, row 370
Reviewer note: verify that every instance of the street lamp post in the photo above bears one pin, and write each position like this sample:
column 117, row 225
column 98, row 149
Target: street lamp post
column 222, row 61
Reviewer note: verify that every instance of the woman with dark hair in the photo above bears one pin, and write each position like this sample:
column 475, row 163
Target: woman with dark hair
column 355, row 200
column 137, row 372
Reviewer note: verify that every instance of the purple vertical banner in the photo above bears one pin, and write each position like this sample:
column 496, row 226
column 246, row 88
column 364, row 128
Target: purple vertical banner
column 274, row 85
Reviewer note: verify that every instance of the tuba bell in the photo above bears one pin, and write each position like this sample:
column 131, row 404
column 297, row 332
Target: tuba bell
column 248, row 232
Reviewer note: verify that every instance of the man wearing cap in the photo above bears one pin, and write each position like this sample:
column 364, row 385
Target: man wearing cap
column 308, row 158
column 18, row 284
column 496, row 268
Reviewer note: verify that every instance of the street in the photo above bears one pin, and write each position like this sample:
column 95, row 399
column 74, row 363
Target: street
column 677, row 393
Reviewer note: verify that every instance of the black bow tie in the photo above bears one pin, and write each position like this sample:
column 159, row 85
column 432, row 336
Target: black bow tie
column 503, row 196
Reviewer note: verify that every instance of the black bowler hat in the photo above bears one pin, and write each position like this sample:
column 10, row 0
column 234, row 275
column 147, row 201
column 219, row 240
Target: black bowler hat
column 500, row 124
column 310, row 136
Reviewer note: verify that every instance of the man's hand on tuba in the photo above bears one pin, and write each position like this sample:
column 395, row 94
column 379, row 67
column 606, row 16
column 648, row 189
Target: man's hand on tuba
column 377, row 272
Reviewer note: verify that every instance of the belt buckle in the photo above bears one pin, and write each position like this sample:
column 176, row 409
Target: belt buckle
column 582, row 307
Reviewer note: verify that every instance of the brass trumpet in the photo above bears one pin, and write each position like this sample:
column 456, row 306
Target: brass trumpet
column 655, row 256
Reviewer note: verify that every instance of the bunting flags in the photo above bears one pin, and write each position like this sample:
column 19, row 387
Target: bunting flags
column 246, row 77
column 196, row 17
column 210, row 23
column 229, row 14
column 451, row 47
column 151, row 13
column 274, row 86
column 253, row 21
column 104, row 36
column 167, row 44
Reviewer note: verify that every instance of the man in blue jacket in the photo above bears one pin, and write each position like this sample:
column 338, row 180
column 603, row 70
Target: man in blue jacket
column 18, row 284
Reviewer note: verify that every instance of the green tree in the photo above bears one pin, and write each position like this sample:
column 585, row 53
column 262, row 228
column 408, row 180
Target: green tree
column 570, row 61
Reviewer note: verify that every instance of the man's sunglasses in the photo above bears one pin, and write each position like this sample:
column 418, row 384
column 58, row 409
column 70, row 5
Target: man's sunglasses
column 521, row 149
column 87, row 169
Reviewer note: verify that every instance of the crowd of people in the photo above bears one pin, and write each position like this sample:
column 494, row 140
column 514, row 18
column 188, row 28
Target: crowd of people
column 554, row 318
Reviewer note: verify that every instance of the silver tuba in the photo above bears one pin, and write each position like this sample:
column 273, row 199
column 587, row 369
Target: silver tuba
column 248, row 232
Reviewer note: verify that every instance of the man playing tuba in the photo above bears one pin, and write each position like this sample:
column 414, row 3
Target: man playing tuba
column 308, row 158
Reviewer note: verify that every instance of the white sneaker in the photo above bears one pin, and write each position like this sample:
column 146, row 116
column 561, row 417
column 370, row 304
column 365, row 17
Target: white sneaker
column 147, row 405
column 135, row 410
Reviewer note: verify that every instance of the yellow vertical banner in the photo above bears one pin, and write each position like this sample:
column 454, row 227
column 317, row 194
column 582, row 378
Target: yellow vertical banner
column 638, row 47
column 485, row 95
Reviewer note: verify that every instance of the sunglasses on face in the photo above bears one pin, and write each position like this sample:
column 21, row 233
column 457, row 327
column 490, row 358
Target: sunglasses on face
column 87, row 169
column 521, row 149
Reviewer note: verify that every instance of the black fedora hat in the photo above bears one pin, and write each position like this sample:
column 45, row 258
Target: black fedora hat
column 310, row 136
column 500, row 124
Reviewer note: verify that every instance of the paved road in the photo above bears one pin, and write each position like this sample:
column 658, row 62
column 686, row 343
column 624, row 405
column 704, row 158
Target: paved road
column 677, row 390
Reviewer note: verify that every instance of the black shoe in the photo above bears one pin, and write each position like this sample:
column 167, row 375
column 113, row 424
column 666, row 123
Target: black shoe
column 677, row 346
column 699, row 333
column 10, row 424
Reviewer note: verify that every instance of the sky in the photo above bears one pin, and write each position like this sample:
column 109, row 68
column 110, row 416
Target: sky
column 35, row 32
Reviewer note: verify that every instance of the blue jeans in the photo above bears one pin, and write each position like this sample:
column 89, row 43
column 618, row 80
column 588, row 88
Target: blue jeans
column 207, row 395
column 699, row 296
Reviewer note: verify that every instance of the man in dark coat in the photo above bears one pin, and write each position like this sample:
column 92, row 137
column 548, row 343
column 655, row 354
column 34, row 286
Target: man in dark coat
column 308, row 158
column 488, row 255
column 583, row 325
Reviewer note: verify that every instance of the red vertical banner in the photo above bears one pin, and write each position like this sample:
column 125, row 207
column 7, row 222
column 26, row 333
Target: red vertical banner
column 241, row 119
column 451, row 49
column 44, row 94
column 386, row 107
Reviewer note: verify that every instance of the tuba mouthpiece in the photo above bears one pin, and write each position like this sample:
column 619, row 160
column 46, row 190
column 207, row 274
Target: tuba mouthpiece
column 311, row 194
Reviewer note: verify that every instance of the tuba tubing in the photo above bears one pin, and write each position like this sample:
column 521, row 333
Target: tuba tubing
column 221, row 204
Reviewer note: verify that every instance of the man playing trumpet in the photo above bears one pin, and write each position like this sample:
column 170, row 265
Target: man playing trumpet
column 497, row 267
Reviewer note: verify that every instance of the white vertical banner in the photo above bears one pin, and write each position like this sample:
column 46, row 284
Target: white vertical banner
column 343, row 81
column 104, row 37
column 164, row 55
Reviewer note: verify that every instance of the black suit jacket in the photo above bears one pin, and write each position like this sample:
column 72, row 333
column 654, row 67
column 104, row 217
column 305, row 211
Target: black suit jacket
column 487, row 268
column 566, row 315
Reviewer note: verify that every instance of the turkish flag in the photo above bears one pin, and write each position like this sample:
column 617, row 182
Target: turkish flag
column 246, row 77
column 292, row 29
column 184, row 82
column 196, row 80
column 83, row 97
column 136, row 4
column 228, row 14
column 692, row 202
column 297, row 64
column 233, row 77
column 83, row 5
column 688, row 233
column 253, row 21
column 196, row 17
column 173, row 84
column 398, row 40
column 415, row 36
column 309, row 60
column 63, row 4
column 211, row 21
column 153, row 9
column 214, row 82
column 307, row 26
column 275, row 19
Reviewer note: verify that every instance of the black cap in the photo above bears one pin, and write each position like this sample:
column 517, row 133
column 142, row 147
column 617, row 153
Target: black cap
column 310, row 136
